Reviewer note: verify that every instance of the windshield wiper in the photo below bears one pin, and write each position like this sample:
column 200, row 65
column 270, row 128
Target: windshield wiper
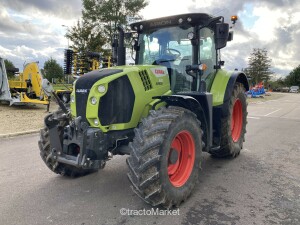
column 164, row 60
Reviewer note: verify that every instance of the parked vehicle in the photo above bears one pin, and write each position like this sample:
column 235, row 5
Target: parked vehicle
column 284, row 89
column 294, row 89
column 28, row 88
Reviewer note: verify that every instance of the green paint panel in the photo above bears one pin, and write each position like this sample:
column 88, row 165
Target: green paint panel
column 219, row 85
column 147, row 82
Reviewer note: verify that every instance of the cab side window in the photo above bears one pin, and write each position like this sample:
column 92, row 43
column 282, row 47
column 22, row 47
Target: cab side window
column 207, row 50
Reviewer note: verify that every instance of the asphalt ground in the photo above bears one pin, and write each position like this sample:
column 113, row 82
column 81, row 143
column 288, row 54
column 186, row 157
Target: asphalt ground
column 261, row 186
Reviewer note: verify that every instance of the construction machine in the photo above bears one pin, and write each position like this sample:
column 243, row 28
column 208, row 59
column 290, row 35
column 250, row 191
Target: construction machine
column 173, row 104
column 28, row 88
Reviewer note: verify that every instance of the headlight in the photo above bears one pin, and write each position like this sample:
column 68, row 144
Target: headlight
column 96, row 122
column 72, row 99
column 93, row 100
column 101, row 88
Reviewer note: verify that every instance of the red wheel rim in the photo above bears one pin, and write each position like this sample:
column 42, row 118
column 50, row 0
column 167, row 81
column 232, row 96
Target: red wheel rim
column 180, row 171
column 237, row 120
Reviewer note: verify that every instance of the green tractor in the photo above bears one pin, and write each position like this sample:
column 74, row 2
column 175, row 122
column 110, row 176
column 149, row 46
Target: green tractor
column 173, row 104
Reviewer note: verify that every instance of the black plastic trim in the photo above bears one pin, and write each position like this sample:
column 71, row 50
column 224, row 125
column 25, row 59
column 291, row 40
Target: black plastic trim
column 83, row 86
column 191, row 19
column 116, row 106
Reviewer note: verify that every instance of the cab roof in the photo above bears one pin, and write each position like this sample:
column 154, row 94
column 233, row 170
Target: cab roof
column 190, row 19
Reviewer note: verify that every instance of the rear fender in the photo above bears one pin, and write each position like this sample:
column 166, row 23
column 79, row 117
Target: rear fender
column 223, row 85
column 235, row 77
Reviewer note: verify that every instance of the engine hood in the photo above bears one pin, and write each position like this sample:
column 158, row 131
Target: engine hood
column 85, row 82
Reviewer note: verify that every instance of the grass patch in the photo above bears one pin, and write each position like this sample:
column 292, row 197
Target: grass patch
column 62, row 87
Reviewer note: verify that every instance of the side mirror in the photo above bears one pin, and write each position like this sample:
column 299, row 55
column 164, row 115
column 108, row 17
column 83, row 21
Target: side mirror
column 221, row 35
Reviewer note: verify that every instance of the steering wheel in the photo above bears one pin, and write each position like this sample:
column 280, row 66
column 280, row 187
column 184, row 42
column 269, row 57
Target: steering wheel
column 177, row 53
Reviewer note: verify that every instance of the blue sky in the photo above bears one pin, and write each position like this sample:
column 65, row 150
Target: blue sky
column 247, row 17
column 32, row 30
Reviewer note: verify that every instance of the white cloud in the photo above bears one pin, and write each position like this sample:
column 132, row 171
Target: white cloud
column 5, row 52
column 295, row 17
column 161, row 8
column 268, row 20
column 32, row 30
column 32, row 35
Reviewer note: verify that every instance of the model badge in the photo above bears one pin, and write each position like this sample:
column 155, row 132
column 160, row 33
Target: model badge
column 82, row 91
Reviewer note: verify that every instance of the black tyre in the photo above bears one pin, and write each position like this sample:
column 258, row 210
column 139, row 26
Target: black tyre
column 234, row 126
column 165, row 156
column 45, row 151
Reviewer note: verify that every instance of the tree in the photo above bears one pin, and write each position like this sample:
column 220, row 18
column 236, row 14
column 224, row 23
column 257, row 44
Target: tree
column 84, row 37
column 53, row 70
column 99, row 22
column 106, row 15
column 294, row 77
column 259, row 66
column 277, row 84
column 10, row 68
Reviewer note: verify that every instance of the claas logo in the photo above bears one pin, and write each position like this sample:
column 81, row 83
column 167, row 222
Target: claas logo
column 157, row 71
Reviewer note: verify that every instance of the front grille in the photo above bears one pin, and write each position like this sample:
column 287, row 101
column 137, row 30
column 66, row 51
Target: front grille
column 146, row 80
column 116, row 105
column 83, row 86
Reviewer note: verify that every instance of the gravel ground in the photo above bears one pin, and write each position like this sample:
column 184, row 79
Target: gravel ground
column 23, row 118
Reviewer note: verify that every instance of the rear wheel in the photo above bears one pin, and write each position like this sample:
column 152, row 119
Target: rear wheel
column 234, row 125
column 165, row 156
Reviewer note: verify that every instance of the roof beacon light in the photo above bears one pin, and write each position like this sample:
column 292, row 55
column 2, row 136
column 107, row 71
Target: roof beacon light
column 234, row 19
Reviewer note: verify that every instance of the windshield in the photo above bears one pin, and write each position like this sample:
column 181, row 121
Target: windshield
column 171, row 47
column 167, row 44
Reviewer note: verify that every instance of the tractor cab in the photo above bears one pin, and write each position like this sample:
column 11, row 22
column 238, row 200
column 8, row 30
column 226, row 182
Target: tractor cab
column 178, row 42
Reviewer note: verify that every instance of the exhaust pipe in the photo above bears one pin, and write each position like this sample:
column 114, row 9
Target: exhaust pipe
column 121, row 48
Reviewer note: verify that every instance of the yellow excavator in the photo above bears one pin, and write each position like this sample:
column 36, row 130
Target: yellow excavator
column 28, row 88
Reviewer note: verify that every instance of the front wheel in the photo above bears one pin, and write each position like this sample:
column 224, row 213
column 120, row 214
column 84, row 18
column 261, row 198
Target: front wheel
column 165, row 156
